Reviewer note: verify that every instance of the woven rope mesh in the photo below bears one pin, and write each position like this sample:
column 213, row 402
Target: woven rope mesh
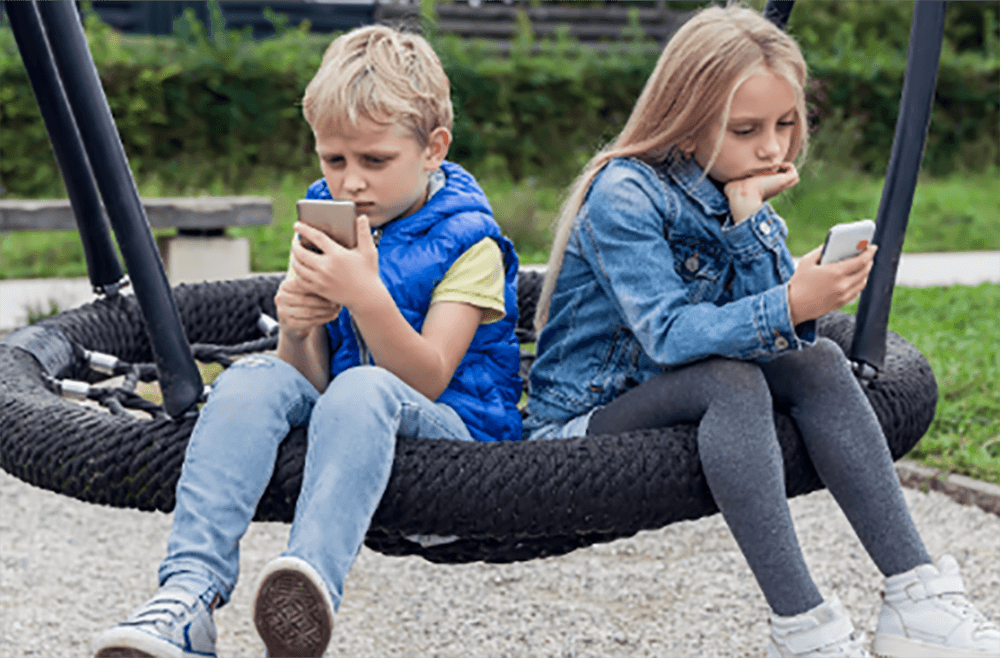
column 506, row 501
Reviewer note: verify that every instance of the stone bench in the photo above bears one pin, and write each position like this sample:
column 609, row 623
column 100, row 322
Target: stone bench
column 201, row 250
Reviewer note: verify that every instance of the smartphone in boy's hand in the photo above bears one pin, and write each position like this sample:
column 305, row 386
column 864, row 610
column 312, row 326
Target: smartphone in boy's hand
column 335, row 218
column 847, row 240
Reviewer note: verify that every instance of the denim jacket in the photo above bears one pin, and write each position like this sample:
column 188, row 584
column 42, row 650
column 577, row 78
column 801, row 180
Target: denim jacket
column 655, row 276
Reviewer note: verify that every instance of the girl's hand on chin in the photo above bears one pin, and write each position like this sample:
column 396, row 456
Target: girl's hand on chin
column 747, row 195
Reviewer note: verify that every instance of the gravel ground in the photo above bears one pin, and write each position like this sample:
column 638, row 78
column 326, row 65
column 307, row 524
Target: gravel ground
column 68, row 570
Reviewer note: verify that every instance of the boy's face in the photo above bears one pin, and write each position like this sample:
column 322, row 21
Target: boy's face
column 759, row 132
column 379, row 167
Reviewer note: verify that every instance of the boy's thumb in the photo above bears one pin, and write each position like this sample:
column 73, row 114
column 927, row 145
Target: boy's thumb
column 363, row 231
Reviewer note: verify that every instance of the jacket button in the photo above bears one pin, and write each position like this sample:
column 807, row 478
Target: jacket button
column 691, row 264
column 781, row 343
column 765, row 228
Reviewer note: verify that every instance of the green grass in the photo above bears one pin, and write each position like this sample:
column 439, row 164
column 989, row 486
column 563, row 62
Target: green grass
column 955, row 213
column 960, row 212
column 955, row 328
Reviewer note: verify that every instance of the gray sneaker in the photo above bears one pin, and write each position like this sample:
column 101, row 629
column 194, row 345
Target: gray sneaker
column 173, row 624
column 293, row 610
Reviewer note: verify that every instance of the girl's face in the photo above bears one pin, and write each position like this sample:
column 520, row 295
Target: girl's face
column 758, row 134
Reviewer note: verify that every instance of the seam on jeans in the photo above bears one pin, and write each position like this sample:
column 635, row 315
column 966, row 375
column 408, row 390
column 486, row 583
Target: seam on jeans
column 444, row 429
column 201, row 567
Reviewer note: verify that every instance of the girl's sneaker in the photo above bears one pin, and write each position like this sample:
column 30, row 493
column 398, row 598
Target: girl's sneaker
column 173, row 624
column 292, row 609
column 925, row 615
column 823, row 632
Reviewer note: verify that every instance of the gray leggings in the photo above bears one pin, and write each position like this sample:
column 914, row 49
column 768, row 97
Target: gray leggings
column 732, row 403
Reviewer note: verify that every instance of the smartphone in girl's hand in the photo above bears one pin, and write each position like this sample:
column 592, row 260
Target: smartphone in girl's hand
column 847, row 240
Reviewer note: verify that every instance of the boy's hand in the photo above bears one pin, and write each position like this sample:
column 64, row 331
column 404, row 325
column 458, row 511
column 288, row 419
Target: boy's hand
column 815, row 289
column 299, row 311
column 747, row 195
column 342, row 276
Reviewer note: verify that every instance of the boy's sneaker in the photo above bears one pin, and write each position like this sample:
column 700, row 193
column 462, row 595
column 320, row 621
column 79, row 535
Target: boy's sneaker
column 825, row 631
column 925, row 615
column 173, row 624
column 292, row 609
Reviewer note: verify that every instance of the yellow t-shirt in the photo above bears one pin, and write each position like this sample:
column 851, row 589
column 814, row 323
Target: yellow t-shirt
column 476, row 278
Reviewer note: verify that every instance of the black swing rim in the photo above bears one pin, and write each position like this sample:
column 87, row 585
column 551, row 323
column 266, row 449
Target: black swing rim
column 507, row 501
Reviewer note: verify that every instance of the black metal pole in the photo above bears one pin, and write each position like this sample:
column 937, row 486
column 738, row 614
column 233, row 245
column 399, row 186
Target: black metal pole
column 180, row 380
column 926, row 32
column 103, row 266
column 778, row 11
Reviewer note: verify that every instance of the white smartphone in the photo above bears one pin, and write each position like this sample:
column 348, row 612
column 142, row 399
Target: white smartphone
column 847, row 240
column 335, row 218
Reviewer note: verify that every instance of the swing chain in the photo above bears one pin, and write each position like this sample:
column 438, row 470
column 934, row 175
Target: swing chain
column 118, row 399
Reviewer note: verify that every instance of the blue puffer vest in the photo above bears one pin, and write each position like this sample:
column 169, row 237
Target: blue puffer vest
column 415, row 252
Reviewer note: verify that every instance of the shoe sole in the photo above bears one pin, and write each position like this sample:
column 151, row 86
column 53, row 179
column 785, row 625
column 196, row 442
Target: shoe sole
column 291, row 615
column 128, row 643
column 894, row 646
column 122, row 652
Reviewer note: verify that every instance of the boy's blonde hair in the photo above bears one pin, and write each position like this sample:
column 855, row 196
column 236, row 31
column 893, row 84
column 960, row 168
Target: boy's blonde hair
column 690, row 90
column 382, row 75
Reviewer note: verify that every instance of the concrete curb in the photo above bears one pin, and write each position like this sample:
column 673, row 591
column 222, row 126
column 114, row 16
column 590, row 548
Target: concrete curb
column 961, row 489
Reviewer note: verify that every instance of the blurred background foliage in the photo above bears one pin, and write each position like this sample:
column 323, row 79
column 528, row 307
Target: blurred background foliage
column 199, row 109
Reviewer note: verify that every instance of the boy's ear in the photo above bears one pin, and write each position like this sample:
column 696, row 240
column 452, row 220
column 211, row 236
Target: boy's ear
column 437, row 148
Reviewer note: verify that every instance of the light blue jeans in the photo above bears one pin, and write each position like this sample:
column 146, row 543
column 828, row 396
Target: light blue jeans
column 352, row 430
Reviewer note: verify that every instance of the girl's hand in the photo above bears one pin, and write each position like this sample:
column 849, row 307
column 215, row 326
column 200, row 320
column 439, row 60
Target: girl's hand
column 815, row 289
column 747, row 195
column 342, row 276
column 299, row 311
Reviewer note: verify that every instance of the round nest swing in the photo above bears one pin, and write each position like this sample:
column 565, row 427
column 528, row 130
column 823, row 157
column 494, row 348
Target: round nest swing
column 447, row 501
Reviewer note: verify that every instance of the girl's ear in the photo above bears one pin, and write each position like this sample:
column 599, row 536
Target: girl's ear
column 687, row 145
column 437, row 148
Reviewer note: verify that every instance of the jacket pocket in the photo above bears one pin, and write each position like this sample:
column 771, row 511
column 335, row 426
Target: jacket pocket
column 618, row 368
column 697, row 262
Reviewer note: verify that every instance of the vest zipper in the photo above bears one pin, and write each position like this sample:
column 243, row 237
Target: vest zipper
column 364, row 354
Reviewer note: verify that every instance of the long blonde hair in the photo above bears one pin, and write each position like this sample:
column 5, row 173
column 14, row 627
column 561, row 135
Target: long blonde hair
column 692, row 86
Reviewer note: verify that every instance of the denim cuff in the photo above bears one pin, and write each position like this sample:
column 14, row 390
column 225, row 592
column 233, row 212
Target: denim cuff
column 773, row 319
column 763, row 229
column 196, row 578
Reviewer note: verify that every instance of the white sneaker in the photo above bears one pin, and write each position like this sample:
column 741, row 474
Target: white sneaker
column 925, row 615
column 292, row 609
column 823, row 632
column 173, row 624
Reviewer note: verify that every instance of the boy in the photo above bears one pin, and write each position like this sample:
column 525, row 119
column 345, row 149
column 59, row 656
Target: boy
column 411, row 332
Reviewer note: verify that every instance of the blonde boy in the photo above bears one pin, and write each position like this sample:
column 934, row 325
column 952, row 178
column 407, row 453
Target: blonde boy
column 409, row 333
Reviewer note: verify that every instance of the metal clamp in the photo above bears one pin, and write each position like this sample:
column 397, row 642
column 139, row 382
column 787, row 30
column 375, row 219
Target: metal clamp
column 864, row 371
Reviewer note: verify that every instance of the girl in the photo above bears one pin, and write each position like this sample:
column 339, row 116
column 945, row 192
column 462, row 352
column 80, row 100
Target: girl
column 718, row 325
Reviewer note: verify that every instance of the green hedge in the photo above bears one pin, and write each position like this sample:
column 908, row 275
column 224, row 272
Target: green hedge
column 197, row 109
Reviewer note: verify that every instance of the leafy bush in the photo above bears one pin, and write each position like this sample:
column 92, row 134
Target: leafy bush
column 856, row 53
column 199, row 110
